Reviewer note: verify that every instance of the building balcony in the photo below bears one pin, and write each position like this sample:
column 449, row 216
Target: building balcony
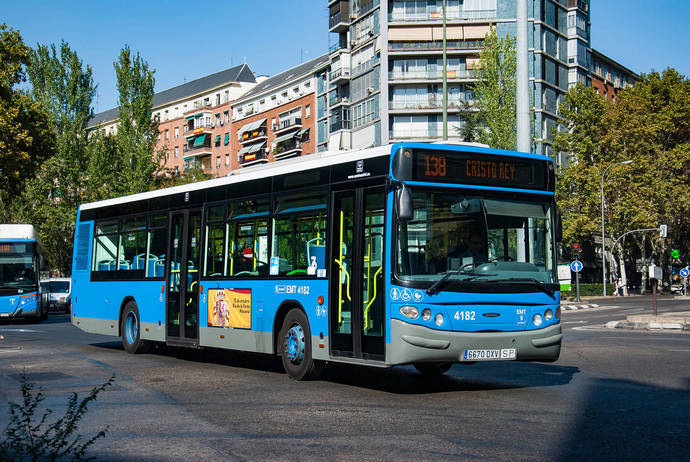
column 198, row 151
column 338, row 22
column 337, row 75
column 437, row 16
column 403, row 133
column 287, row 125
column 434, row 46
column 337, row 101
column 339, row 125
column 287, row 149
column 363, row 67
column 431, row 105
column 432, row 75
column 254, row 154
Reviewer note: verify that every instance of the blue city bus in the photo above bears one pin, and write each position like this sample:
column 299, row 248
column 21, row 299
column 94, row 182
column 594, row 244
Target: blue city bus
column 20, row 264
column 415, row 253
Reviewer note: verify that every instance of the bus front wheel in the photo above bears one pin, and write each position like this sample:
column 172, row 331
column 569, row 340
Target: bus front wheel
column 295, row 347
column 131, row 328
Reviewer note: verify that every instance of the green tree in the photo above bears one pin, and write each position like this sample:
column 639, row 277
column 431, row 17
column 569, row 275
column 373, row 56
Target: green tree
column 26, row 138
column 61, row 83
column 127, row 163
column 649, row 124
column 494, row 91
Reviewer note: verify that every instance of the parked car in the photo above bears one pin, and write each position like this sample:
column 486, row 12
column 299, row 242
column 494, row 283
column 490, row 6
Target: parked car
column 59, row 297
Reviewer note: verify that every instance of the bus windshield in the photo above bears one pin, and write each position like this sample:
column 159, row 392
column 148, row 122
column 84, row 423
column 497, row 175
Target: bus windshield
column 17, row 266
column 456, row 236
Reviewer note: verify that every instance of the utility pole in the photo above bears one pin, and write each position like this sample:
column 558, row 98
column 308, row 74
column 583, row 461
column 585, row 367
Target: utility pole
column 445, row 78
column 522, row 87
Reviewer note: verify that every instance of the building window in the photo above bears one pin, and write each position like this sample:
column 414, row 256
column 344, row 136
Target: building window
column 167, row 155
column 307, row 111
column 177, row 132
column 227, row 159
column 177, row 152
column 217, row 161
column 166, row 135
column 166, row 115
column 227, row 116
column 217, row 99
column 177, row 169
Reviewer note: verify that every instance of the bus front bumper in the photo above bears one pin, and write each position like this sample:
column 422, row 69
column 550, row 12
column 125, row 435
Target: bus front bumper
column 411, row 343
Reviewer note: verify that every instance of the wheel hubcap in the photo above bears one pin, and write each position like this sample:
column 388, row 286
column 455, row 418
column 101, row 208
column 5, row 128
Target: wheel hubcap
column 131, row 328
column 294, row 344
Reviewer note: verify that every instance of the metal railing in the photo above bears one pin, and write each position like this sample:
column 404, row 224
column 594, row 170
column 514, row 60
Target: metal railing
column 438, row 16
column 287, row 123
column 340, row 125
column 337, row 73
column 436, row 45
column 416, row 75
column 365, row 66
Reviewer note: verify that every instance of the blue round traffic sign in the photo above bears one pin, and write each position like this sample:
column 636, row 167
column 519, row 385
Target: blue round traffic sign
column 576, row 266
column 684, row 272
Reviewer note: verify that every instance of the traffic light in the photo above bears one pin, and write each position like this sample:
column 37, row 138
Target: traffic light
column 576, row 251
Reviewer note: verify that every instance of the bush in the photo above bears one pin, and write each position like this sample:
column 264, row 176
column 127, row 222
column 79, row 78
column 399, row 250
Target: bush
column 588, row 289
column 28, row 437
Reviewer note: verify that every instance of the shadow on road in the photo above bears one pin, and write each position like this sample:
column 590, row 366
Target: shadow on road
column 399, row 380
column 624, row 420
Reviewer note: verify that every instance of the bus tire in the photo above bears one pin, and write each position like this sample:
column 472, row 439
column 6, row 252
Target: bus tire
column 295, row 347
column 131, row 328
column 433, row 369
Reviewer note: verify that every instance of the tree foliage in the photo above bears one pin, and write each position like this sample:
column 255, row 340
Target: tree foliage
column 26, row 137
column 494, row 91
column 649, row 124
column 61, row 83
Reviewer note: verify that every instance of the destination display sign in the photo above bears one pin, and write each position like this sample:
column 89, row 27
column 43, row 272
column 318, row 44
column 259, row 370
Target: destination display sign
column 12, row 248
column 480, row 169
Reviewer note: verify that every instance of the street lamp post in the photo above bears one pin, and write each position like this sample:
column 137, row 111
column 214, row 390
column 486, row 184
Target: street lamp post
column 603, row 233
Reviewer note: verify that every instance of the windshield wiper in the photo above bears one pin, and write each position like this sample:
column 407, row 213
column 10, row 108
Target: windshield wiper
column 534, row 282
column 433, row 288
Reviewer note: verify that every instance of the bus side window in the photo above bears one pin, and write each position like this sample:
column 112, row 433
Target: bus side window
column 299, row 243
column 157, row 242
column 106, row 246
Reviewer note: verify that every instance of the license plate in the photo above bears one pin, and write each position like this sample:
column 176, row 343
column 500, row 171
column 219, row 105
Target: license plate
column 490, row 355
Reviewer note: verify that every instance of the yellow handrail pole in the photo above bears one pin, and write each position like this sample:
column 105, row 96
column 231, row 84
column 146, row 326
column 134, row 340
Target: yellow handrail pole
column 256, row 235
column 366, row 311
column 340, row 273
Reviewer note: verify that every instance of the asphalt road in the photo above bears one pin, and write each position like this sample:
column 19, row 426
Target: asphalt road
column 613, row 394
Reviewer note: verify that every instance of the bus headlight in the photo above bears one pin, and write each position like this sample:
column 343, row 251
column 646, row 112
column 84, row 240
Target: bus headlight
column 537, row 319
column 426, row 314
column 409, row 311
column 548, row 314
column 438, row 319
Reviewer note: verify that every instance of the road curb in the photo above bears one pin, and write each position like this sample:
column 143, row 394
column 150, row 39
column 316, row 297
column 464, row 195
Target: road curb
column 675, row 326
column 578, row 307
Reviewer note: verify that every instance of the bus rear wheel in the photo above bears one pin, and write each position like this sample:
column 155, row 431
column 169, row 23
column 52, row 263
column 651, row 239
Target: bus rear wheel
column 131, row 328
column 431, row 369
column 295, row 347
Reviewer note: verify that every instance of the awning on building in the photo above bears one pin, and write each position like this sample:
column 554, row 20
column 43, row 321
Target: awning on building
column 251, row 148
column 198, row 141
column 251, row 126
column 285, row 137
column 217, row 139
column 303, row 131
column 227, row 139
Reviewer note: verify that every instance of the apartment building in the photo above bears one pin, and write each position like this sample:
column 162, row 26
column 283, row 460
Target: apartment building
column 609, row 77
column 276, row 119
column 386, row 65
column 195, row 120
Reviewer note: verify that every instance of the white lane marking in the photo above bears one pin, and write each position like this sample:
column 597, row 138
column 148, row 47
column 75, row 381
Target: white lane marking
column 573, row 322
column 679, row 350
column 20, row 330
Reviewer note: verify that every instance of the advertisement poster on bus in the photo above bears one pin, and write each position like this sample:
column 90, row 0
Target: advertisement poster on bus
column 230, row 308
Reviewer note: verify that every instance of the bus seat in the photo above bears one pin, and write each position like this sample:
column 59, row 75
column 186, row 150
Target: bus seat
column 104, row 265
column 125, row 265
column 316, row 250
column 112, row 265
column 151, row 272
column 159, row 269
column 138, row 261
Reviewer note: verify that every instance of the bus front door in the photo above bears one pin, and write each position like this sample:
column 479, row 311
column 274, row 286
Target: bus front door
column 182, row 270
column 357, row 316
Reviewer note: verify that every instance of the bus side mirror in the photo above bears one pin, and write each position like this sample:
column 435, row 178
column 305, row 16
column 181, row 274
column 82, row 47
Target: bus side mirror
column 403, row 202
column 559, row 226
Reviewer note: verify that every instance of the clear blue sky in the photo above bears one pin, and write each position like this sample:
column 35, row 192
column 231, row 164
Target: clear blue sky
column 187, row 40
